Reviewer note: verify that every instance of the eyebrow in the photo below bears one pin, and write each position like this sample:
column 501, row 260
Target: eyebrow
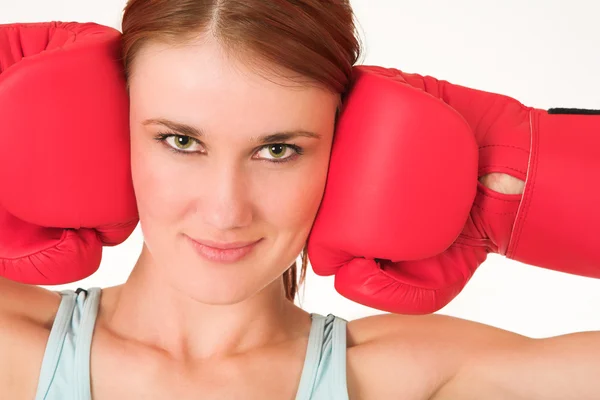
column 188, row 130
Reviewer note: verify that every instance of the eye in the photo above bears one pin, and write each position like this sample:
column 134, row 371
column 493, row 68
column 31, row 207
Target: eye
column 180, row 143
column 278, row 152
column 177, row 143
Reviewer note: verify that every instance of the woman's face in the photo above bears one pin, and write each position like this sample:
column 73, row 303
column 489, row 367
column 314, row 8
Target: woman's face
column 229, row 182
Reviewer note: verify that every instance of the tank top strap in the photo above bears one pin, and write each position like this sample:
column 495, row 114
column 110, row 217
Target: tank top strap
column 324, row 372
column 65, row 370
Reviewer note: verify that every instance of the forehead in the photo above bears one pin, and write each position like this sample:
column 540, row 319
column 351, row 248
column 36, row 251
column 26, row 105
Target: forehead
column 200, row 80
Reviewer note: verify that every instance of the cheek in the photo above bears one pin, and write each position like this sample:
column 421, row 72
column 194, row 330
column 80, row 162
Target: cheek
column 294, row 203
column 158, row 183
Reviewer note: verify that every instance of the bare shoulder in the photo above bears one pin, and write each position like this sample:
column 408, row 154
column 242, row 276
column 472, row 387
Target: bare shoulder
column 412, row 357
column 395, row 356
column 27, row 301
column 26, row 316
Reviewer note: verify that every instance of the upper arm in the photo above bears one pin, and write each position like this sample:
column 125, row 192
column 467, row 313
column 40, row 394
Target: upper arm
column 26, row 315
column 444, row 358
column 557, row 368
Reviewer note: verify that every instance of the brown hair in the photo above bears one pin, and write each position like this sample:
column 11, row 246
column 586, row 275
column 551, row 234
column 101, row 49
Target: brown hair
column 314, row 39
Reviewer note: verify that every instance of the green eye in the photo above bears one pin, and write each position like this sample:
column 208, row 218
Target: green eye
column 183, row 142
column 277, row 150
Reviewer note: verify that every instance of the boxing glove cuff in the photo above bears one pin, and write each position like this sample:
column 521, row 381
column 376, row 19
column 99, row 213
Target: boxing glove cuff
column 552, row 228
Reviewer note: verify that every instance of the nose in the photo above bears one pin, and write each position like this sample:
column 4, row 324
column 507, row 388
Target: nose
column 227, row 204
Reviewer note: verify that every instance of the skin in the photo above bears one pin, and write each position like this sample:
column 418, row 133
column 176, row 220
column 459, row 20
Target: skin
column 182, row 325
column 226, row 188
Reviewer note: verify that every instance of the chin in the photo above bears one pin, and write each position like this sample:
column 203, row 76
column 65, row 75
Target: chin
column 220, row 284
column 217, row 290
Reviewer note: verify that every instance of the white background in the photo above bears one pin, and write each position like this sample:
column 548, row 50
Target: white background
column 544, row 53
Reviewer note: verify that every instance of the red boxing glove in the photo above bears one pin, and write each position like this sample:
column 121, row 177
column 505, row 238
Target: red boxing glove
column 65, row 177
column 394, row 197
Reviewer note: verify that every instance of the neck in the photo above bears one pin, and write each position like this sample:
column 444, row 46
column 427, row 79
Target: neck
column 152, row 313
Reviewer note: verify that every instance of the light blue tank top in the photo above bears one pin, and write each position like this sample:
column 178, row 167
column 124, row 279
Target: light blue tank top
column 65, row 371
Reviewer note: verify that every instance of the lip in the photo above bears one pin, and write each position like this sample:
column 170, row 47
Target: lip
column 223, row 252
column 224, row 245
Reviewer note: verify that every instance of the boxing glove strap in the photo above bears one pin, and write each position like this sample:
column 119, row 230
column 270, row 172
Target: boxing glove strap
column 557, row 221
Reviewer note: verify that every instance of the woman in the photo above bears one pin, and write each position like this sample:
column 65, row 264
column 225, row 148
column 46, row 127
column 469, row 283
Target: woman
column 232, row 120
